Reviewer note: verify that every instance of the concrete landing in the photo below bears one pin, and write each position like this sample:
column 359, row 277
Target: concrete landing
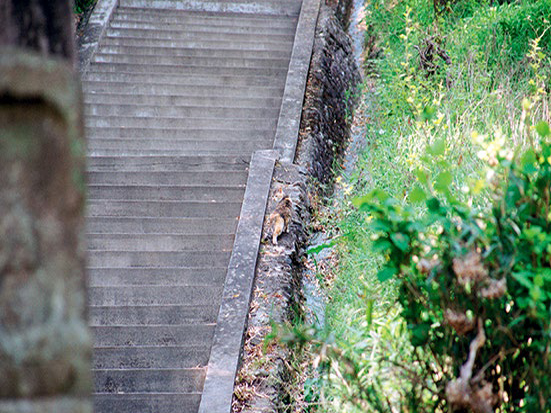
column 178, row 97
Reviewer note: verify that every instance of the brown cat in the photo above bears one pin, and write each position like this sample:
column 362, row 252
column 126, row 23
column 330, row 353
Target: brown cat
column 279, row 219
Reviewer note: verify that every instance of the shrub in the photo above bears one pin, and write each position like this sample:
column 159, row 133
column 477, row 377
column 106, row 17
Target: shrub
column 475, row 286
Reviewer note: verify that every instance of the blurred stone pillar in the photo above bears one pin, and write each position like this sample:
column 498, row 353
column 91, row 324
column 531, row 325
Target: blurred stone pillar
column 45, row 345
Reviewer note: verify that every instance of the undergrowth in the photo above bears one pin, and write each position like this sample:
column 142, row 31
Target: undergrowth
column 459, row 85
column 82, row 6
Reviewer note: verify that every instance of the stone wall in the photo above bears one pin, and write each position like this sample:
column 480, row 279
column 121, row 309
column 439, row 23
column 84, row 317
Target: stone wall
column 329, row 98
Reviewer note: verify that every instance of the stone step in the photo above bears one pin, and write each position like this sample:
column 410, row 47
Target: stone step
column 152, row 315
column 218, row 53
column 277, row 7
column 128, row 296
column 135, row 336
column 177, row 122
column 108, row 225
column 183, row 357
column 168, row 152
column 203, row 18
column 203, row 193
column 149, row 259
column 231, row 178
column 148, row 111
column 222, row 100
column 154, row 70
column 187, row 61
column 209, row 134
column 160, row 242
column 203, row 25
column 189, row 163
column 190, row 34
column 157, row 90
column 105, row 277
column 164, row 209
column 195, row 44
column 146, row 403
column 149, row 380
column 177, row 101
column 184, row 84
column 151, row 146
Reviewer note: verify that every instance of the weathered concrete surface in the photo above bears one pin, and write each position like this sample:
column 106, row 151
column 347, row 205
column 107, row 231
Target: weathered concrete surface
column 276, row 295
column 45, row 347
column 95, row 28
column 231, row 322
column 291, row 107
column 263, row 383
column 179, row 95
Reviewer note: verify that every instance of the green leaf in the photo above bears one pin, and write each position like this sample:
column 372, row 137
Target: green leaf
column 369, row 311
column 543, row 129
column 417, row 195
column 536, row 293
column 434, row 205
column 527, row 161
column 421, row 176
column 378, row 194
column 419, row 333
column 386, row 273
column 400, row 240
column 381, row 245
column 381, row 225
column 443, row 181
column 414, row 227
column 437, row 148
column 360, row 201
column 381, row 195
column 524, row 279
column 317, row 249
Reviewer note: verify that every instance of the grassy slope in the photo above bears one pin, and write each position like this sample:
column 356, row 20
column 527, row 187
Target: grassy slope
column 488, row 89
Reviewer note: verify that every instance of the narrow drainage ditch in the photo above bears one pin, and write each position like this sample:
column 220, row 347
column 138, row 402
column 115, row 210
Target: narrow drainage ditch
column 319, row 246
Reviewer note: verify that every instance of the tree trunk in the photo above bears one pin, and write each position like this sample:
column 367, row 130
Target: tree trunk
column 45, row 26
column 45, row 345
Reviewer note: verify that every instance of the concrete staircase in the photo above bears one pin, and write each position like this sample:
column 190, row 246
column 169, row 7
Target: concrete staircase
column 177, row 97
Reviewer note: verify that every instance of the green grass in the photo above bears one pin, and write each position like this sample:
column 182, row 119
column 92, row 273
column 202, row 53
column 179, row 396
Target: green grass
column 494, row 89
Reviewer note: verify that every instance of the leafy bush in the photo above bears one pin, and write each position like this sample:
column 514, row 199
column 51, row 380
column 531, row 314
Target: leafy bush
column 475, row 286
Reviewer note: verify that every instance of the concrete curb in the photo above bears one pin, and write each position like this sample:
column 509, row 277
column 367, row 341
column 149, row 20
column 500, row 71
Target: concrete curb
column 234, row 309
column 288, row 124
column 97, row 24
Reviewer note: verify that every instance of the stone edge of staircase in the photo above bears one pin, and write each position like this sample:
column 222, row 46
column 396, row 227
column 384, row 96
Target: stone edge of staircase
column 94, row 30
column 288, row 125
column 231, row 323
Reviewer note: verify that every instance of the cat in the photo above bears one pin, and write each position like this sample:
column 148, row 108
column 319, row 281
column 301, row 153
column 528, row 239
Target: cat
column 278, row 221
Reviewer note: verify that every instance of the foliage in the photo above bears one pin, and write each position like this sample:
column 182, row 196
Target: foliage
column 475, row 286
column 81, row 6
column 420, row 126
